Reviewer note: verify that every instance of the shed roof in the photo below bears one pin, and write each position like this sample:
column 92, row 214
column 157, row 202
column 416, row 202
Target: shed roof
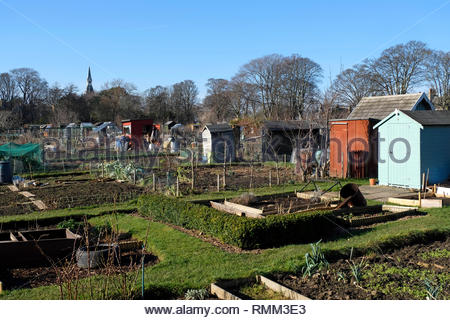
column 430, row 118
column 381, row 106
column 423, row 117
column 289, row 125
column 219, row 127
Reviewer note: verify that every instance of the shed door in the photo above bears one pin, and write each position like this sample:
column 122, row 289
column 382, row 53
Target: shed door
column 400, row 165
column 338, row 150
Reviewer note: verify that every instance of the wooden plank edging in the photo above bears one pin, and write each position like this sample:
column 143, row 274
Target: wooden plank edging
column 13, row 188
column 245, row 209
column 221, row 207
column 222, row 293
column 285, row 291
column 27, row 194
column 391, row 208
column 424, row 203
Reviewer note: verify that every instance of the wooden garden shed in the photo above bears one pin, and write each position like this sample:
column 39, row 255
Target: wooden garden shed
column 279, row 138
column 411, row 144
column 353, row 148
column 354, row 141
column 219, row 142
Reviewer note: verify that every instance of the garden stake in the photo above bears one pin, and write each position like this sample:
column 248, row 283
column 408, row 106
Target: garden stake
column 225, row 164
column 143, row 269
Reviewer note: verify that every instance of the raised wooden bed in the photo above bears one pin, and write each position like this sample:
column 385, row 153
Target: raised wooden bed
column 37, row 247
column 358, row 222
column 423, row 203
column 221, row 288
column 329, row 196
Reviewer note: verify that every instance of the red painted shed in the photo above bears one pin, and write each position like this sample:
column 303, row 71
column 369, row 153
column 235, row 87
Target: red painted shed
column 353, row 148
column 136, row 130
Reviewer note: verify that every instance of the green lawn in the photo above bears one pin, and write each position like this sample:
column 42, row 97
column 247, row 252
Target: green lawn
column 187, row 262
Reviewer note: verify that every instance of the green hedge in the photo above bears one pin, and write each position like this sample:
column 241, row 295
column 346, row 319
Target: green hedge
column 243, row 232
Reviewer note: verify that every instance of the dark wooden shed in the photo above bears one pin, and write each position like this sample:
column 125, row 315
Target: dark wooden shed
column 278, row 138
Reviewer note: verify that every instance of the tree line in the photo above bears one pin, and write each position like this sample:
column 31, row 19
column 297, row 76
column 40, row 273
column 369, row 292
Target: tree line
column 271, row 87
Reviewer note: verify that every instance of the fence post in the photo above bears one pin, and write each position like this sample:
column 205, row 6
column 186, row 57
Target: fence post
column 270, row 178
column 154, row 183
column 218, row 182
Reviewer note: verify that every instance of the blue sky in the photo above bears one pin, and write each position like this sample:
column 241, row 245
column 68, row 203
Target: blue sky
column 153, row 43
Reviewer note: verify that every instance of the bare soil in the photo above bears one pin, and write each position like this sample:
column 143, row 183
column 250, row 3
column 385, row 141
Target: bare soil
column 18, row 278
column 85, row 193
column 398, row 275
column 67, row 192
column 237, row 177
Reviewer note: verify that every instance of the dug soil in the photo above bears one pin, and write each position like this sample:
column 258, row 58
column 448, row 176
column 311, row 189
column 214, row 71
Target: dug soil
column 405, row 273
column 85, row 193
column 61, row 194
column 18, row 278
column 237, row 177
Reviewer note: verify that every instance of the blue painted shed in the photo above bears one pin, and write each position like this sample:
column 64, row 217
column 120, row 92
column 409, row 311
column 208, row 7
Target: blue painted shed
column 411, row 143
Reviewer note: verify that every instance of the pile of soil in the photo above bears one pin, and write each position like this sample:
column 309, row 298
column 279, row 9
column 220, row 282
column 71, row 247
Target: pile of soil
column 397, row 275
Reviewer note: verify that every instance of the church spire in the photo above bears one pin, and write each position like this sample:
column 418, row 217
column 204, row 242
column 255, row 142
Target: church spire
column 89, row 88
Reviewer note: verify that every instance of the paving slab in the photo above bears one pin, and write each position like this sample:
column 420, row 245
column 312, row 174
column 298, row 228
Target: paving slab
column 382, row 193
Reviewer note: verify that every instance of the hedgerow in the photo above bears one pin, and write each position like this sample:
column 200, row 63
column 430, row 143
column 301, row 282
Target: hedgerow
column 246, row 233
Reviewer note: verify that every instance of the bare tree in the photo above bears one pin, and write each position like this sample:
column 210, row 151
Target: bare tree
column 438, row 76
column 265, row 75
column 8, row 120
column 31, row 86
column 157, row 103
column 399, row 68
column 244, row 98
column 351, row 85
column 118, row 100
column 300, row 81
column 184, row 99
column 218, row 100
column 63, row 115
column 284, row 86
column 7, row 89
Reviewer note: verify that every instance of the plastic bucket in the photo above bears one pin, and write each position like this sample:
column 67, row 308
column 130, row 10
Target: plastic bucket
column 357, row 199
column 5, row 172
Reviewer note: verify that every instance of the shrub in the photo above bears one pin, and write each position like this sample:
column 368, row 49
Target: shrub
column 196, row 294
column 243, row 232
column 70, row 224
